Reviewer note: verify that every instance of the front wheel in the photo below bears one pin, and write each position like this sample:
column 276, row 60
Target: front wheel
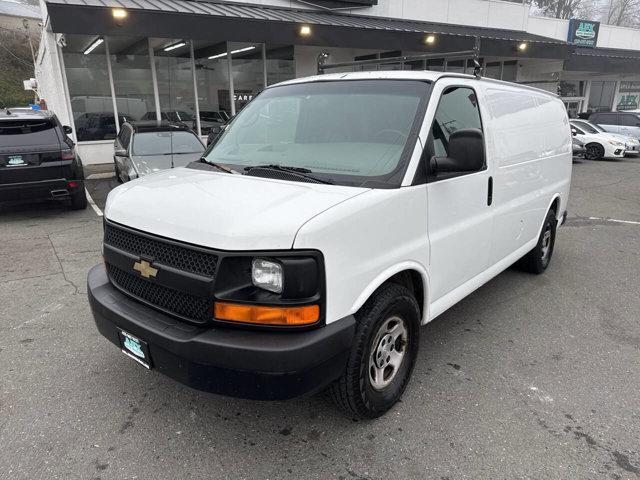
column 594, row 151
column 382, row 355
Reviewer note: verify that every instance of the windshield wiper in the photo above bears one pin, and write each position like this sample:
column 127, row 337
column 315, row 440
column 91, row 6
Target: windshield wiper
column 219, row 166
column 299, row 171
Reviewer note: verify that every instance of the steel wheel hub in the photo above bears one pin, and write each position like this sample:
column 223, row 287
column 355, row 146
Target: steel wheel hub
column 387, row 352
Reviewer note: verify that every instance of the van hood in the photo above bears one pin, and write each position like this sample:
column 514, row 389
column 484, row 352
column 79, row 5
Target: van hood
column 221, row 210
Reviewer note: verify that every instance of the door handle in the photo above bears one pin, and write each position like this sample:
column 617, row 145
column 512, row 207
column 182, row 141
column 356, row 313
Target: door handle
column 490, row 192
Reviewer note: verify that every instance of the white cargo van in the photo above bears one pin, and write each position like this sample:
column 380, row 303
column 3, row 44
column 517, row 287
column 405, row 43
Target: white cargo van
column 333, row 217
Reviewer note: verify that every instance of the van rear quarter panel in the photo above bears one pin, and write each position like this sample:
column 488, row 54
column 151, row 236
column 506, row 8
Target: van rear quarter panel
column 529, row 145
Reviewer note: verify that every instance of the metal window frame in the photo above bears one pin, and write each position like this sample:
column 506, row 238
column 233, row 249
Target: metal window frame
column 154, row 79
column 195, row 89
column 112, row 85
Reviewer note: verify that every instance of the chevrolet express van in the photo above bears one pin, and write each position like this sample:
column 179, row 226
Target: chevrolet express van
column 332, row 218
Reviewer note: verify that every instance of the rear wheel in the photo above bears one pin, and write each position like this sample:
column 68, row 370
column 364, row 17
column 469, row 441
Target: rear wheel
column 537, row 260
column 79, row 199
column 382, row 355
column 594, row 151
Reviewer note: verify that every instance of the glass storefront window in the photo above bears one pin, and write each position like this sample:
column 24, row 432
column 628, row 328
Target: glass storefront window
column 132, row 77
column 510, row 71
column 175, row 81
column 280, row 65
column 212, row 77
column 571, row 88
column 601, row 96
column 248, row 72
column 89, row 90
column 493, row 70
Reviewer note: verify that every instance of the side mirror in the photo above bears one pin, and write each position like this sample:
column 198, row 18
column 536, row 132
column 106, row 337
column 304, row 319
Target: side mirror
column 67, row 129
column 120, row 152
column 466, row 153
column 574, row 132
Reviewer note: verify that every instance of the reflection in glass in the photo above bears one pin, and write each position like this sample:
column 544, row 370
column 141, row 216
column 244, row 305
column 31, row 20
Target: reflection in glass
column 248, row 73
column 175, row 82
column 212, row 77
column 88, row 81
column 280, row 66
column 132, row 77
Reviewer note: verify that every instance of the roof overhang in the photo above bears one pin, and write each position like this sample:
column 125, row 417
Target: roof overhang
column 198, row 19
column 605, row 60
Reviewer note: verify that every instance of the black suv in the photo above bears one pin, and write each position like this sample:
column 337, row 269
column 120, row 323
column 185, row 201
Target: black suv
column 37, row 159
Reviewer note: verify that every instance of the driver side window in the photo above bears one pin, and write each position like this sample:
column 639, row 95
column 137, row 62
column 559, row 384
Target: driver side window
column 458, row 109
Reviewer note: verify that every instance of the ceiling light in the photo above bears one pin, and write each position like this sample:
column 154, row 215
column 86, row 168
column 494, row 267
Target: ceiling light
column 305, row 30
column 174, row 46
column 233, row 52
column 522, row 46
column 430, row 39
column 119, row 13
column 97, row 42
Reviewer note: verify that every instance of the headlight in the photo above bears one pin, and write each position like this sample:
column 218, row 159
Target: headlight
column 267, row 275
column 616, row 144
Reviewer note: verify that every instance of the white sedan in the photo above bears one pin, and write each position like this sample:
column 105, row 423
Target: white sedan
column 632, row 143
column 597, row 144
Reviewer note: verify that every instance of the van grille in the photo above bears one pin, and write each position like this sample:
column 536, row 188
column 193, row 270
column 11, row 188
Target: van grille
column 182, row 304
column 172, row 255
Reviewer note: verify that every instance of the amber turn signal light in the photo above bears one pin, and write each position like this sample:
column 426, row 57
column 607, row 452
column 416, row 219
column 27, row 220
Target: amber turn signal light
column 262, row 315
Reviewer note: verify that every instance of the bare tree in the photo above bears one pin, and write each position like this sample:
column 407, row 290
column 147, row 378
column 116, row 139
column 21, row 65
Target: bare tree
column 624, row 13
column 587, row 9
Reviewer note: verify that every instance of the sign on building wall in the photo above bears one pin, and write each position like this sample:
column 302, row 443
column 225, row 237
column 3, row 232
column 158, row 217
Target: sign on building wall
column 583, row 33
column 629, row 96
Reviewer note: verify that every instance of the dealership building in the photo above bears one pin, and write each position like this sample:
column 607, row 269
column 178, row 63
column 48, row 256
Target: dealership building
column 102, row 62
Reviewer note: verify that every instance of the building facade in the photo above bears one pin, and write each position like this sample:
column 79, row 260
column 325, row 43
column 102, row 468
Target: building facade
column 102, row 63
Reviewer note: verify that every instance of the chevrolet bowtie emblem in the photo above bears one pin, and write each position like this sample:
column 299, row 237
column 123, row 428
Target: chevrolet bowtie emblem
column 145, row 269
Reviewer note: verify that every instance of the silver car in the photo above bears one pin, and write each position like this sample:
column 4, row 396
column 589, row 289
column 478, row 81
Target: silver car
column 149, row 146
column 625, row 123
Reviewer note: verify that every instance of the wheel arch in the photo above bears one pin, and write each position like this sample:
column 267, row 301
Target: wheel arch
column 410, row 274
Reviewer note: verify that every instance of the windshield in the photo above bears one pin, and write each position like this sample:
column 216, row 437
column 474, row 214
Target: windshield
column 165, row 143
column 589, row 127
column 347, row 132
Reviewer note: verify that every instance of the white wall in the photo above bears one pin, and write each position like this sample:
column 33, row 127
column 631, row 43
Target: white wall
column 483, row 13
column 96, row 152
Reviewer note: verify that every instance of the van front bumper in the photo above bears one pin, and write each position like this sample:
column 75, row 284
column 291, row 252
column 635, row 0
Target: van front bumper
column 264, row 365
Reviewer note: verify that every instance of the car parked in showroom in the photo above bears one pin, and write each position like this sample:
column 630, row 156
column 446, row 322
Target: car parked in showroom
column 332, row 218
column 598, row 145
column 632, row 144
column 38, row 160
column 625, row 123
column 149, row 146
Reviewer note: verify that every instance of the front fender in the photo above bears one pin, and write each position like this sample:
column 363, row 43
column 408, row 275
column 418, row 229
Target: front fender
column 367, row 239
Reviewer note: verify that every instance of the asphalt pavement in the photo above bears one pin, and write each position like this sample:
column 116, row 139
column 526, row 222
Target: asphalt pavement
column 533, row 377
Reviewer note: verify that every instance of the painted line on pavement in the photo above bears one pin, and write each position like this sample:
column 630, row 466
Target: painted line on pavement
column 93, row 204
column 629, row 222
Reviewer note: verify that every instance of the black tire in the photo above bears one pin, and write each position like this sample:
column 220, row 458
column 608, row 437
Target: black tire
column 538, row 259
column 354, row 391
column 117, row 169
column 594, row 151
column 79, row 199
